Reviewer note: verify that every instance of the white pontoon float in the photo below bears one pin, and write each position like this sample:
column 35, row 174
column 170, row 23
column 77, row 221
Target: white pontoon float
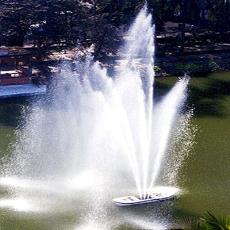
column 157, row 194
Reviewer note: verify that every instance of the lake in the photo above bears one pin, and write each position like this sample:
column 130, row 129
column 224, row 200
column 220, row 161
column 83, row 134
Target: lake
column 204, row 175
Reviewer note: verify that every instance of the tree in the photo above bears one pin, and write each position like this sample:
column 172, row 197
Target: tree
column 15, row 19
column 64, row 22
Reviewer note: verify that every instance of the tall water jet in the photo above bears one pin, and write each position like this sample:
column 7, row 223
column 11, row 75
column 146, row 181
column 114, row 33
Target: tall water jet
column 138, row 53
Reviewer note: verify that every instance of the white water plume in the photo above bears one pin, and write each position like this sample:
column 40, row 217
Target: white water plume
column 96, row 136
column 138, row 54
column 164, row 116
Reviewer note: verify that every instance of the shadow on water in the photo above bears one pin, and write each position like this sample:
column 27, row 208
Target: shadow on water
column 166, row 214
column 11, row 110
column 208, row 100
column 144, row 216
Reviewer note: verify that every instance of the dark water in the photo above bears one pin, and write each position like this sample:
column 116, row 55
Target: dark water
column 204, row 175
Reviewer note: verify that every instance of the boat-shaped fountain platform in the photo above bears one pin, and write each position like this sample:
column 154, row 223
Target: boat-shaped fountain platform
column 157, row 194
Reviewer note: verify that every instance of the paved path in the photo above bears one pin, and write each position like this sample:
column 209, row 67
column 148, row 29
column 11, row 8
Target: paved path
column 21, row 90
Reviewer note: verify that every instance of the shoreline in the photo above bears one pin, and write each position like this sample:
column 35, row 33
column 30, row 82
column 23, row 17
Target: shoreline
column 193, row 65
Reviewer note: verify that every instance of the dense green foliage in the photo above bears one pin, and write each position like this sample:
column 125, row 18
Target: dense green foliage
column 68, row 22
column 74, row 22
column 207, row 13
column 211, row 222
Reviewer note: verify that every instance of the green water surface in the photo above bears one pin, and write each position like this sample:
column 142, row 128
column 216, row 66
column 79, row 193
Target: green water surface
column 206, row 173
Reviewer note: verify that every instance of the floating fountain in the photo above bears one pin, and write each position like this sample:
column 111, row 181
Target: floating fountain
column 95, row 136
